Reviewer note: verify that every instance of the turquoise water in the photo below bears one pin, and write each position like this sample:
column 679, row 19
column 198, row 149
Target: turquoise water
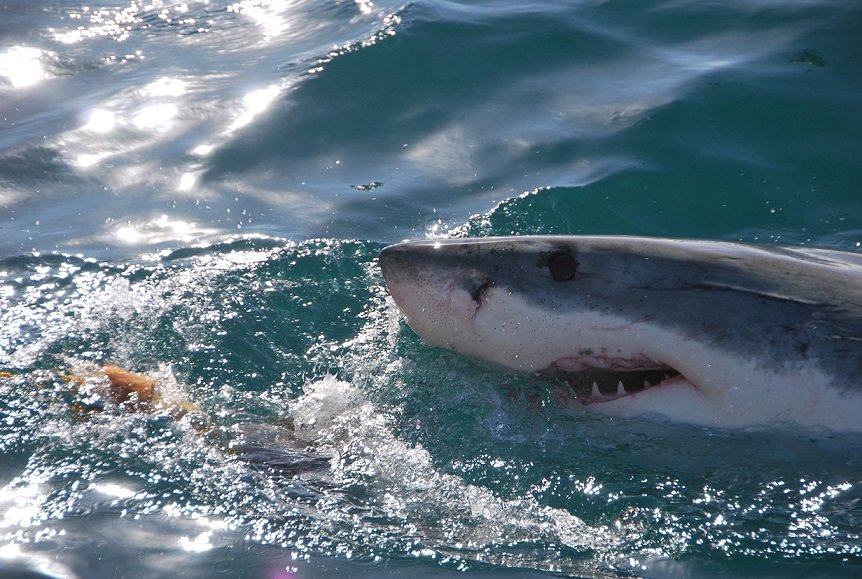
column 198, row 191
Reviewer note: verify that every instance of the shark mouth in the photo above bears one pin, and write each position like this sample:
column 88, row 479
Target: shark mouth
column 596, row 385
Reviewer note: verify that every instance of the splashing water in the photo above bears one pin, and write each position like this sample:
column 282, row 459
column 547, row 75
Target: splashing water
column 344, row 437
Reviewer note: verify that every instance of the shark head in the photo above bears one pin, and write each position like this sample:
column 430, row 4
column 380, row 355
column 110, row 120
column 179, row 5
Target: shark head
column 700, row 332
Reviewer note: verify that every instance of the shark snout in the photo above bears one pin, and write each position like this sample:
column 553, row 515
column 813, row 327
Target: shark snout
column 398, row 263
column 412, row 284
column 400, row 272
column 437, row 300
column 389, row 259
column 393, row 263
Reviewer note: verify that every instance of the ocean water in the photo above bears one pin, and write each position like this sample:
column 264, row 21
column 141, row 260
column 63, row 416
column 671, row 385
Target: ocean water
column 198, row 191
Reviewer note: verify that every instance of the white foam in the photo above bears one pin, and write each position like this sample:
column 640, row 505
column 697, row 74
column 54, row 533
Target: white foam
column 401, row 480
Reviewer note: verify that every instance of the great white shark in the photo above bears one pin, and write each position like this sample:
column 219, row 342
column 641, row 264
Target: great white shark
column 703, row 332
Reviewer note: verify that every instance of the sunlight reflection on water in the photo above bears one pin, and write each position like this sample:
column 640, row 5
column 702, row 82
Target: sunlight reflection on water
column 22, row 66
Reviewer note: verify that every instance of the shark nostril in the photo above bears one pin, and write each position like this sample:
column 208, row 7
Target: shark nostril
column 479, row 291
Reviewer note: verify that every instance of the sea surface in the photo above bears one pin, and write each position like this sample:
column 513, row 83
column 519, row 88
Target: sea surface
column 197, row 190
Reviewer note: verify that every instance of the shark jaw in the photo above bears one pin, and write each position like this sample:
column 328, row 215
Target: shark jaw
column 625, row 324
column 596, row 387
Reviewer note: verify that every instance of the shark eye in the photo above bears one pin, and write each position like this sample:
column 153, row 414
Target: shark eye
column 562, row 265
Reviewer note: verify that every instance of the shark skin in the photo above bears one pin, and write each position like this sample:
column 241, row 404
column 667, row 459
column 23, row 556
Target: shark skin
column 709, row 333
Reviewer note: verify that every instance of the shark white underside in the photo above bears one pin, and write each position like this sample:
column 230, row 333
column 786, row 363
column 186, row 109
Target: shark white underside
column 730, row 392
column 737, row 335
